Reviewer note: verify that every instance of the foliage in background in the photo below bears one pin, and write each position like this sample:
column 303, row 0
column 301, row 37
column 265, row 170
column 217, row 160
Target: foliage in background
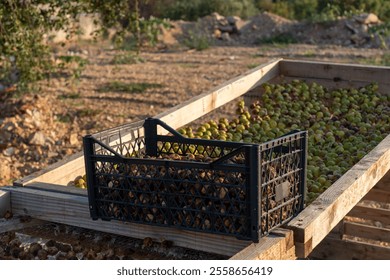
column 73, row 65
column 127, row 58
column 192, row 10
column 382, row 31
column 23, row 25
column 197, row 41
column 324, row 9
column 117, row 86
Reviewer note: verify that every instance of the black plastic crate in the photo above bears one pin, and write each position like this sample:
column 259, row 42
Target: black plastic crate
column 136, row 174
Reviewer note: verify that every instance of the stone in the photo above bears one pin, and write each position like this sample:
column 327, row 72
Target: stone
column 28, row 111
column 367, row 18
column 239, row 25
column 225, row 36
column 351, row 28
column 5, row 170
column 217, row 16
column 10, row 126
column 5, row 136
column 38, row 151
column 36, row 115
column 233, row 19
column 166, row 36
column 226, row 29
column 73, row 140
column 217, row 34
column 357, row 40
column 52, row 154
column 9, row 151
column 37, row 138
column 50, row 141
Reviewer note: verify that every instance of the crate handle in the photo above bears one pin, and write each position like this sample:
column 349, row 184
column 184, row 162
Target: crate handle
column 155, row 122
column 94, row 140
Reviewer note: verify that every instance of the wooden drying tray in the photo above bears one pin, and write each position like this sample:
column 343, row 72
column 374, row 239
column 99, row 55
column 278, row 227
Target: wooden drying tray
column 44, row 195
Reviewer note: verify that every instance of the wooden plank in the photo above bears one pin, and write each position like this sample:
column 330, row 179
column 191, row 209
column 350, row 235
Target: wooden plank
column 367, row 231
column 279, row 246
column 16, row 224
column 378, row 195
column 336, row 249
column 74, row 210
column 384, row 183
column 336, row 72
column 61, row 172
column 205, row 103
column 373, row 214
column 319, row 218
column 57, row 188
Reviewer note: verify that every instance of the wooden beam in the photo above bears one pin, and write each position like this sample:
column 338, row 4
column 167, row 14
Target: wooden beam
column 319, row 218
column 338, row 74
column 279, row 246
column 61, row 172
column 373, row 214
column 378, row 195
column 74, row 210
column 336, row 249
column 367, row 231
column 384, row 183
column 205, row 103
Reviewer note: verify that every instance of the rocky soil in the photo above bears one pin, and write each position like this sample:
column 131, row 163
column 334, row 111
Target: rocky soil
column 44, row 126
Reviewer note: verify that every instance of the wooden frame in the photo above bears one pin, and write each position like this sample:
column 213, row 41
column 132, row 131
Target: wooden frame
column 365, row 232
column 43, row 195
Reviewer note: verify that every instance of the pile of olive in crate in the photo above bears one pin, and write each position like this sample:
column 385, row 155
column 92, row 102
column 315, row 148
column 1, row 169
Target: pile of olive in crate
column 209, row 186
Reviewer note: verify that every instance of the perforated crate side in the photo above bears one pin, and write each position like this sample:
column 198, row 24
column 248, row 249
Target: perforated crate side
column 283, row 179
